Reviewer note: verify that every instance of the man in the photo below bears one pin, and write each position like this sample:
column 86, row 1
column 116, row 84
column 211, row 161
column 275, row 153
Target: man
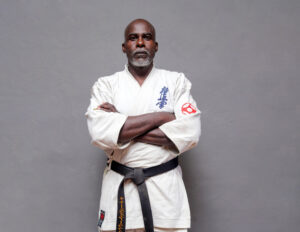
column 143, row 118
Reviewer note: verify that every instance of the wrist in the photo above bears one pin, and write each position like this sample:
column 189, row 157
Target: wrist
column 163, row 117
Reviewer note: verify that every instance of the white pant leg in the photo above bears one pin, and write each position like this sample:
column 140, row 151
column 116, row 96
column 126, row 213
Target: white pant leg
column 131, row 230
column 155, row 230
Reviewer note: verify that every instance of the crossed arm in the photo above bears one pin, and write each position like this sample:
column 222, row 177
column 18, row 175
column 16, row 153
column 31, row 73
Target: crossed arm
column 143, row 128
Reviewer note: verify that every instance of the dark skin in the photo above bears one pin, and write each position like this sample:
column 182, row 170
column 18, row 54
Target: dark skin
column 144, row 128
column 139, row 36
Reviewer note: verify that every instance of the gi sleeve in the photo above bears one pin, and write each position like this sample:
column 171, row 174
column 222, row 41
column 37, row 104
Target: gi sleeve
column 104, row 127
column 185, row 130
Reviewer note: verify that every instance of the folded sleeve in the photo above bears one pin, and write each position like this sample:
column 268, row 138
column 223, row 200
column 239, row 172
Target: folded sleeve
column 185, row 130
column 104, row 127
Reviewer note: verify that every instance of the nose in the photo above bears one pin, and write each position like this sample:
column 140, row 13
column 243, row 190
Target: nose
column 140, row 42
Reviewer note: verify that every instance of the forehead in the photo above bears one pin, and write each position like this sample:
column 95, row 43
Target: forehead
column 139, row 28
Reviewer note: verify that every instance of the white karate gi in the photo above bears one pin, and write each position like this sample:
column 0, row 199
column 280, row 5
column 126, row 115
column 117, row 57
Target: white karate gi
column 161, row 91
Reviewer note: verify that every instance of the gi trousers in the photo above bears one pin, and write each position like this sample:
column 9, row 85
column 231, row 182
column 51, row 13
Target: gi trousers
column 156, row 229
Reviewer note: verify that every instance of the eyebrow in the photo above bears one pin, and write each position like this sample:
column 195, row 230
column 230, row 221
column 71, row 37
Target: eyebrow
column 147, row 33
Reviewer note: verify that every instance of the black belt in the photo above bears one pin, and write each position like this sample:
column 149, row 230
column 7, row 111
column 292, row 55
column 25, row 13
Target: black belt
column 138, row 176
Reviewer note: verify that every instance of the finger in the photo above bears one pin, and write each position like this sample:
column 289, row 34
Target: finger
column 104, row 104
column 105, row 107
column 108, row 106
column 106, row 110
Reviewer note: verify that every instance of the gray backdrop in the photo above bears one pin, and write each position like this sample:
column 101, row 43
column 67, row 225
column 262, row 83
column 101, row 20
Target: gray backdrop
column 242, row 57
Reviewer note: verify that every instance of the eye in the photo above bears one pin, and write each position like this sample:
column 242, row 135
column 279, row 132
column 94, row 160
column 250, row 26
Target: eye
column 148, row 36
column 132, row 37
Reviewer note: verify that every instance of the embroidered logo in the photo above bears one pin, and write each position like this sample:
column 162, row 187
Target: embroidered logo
column 188, row 108
column 121, row 219
column 162, row 100
column 101, row 218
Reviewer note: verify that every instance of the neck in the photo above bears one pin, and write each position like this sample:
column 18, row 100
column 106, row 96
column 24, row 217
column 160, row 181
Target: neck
column 140, row 73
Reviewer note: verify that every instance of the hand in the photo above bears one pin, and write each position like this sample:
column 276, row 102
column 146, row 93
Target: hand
column 108, row 107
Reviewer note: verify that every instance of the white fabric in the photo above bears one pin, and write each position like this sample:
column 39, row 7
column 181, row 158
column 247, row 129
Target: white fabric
column 155, row 230
column 167, row 193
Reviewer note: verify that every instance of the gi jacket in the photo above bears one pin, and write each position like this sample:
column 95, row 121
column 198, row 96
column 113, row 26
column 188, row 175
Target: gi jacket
column 161, row 91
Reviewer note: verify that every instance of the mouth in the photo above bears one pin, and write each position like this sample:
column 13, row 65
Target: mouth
column 141, row 54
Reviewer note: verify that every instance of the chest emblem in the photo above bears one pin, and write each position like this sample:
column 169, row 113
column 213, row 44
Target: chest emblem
column 162, row 100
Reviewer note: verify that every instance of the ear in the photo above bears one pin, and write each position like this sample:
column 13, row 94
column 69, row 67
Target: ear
column 123, row 48
column 156, row 46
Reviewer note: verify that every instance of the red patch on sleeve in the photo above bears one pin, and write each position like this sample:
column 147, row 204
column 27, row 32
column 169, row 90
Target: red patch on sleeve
column 188, row 108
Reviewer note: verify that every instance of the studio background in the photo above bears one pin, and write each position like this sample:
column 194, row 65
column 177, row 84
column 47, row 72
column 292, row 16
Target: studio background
column 242, row 58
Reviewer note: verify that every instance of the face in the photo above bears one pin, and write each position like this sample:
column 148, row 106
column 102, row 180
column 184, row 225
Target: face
column 140, row 45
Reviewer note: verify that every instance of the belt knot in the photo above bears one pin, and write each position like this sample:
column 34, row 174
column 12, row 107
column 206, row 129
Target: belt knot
column 137, row 176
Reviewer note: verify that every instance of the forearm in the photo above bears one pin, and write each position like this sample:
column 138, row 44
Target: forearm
column 141, row 124
column 155, row 137
column 135, row 126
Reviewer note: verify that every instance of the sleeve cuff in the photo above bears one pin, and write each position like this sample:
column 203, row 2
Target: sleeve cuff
column 117, row 128
column 183, row 132
column 105, row 129
column 167, row 130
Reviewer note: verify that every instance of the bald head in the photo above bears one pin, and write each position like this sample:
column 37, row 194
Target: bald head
column 139, row 44
column 135, row 22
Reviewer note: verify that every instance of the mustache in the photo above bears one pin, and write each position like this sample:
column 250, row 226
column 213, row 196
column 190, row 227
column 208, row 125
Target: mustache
column 141, row 51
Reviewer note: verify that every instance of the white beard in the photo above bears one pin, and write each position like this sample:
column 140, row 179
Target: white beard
column 141, row 62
